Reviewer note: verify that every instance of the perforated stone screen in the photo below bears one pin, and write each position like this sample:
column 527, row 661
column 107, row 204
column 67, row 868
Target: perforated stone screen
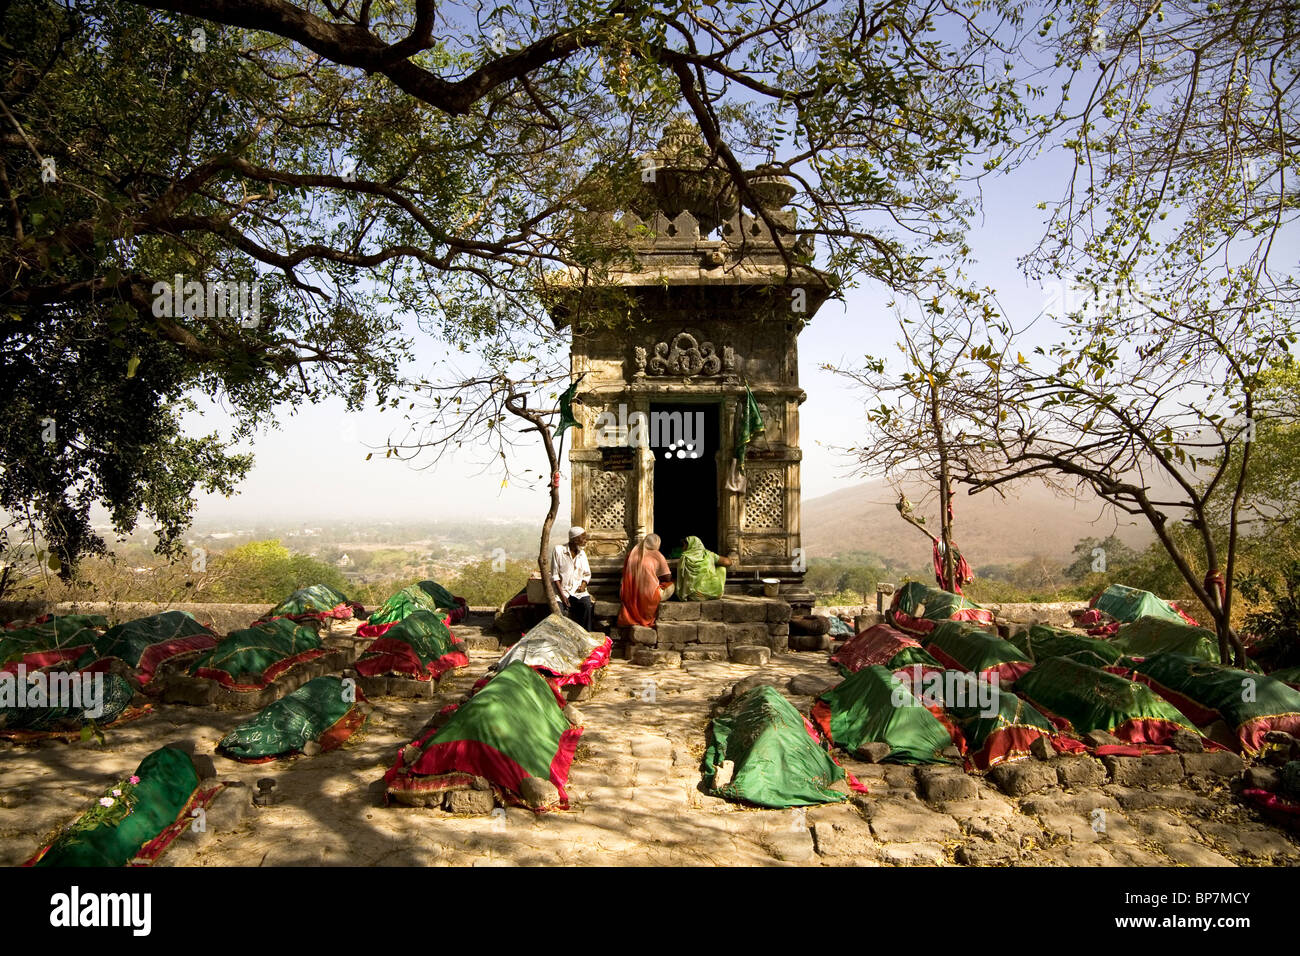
column 765, row 500
column 607, row 501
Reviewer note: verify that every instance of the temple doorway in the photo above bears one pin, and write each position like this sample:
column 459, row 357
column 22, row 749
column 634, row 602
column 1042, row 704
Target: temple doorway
column 684, row 438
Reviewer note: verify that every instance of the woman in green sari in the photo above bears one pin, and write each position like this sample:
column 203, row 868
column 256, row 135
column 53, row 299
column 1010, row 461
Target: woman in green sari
column 701, row 574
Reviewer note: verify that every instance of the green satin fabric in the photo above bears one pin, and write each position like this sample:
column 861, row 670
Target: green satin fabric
column 777, row 762
column 1092, row 699
column 319, row 599
column 874, row 706
column 130, row 640
column 285, row 726
column 1238, row 696
column 1153, row 635
column 1042, row 642
column 974, row 648
column 403, row 603
column 249, row 652
column 1128, row 604
column 167, row 781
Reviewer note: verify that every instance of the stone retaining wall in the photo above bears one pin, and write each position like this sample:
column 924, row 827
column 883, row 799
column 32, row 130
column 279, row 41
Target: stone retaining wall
column 222, row 618
column 1056, row 613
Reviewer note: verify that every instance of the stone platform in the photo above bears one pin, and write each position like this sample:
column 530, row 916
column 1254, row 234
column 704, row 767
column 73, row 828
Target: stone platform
column 742, row 629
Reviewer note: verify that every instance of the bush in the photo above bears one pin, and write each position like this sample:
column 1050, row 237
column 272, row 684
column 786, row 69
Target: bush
column 1277, row 622
column 267, row 572
column 479, row 583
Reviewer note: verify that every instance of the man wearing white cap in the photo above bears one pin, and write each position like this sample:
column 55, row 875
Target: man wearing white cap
column 571, row 574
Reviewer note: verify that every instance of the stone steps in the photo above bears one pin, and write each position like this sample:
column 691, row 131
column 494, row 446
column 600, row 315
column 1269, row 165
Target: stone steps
column 726, row 629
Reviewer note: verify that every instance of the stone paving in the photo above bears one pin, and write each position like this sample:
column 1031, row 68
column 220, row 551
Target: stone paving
column 635, row 797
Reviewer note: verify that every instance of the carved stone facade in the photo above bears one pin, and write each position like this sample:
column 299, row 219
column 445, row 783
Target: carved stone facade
column 704, row 318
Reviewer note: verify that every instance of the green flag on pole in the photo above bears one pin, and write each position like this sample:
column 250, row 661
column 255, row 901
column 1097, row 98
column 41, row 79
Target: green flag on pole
column 749, row 425
column 566, row 408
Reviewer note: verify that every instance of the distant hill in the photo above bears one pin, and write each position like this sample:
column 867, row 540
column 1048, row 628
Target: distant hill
column 1031, row 522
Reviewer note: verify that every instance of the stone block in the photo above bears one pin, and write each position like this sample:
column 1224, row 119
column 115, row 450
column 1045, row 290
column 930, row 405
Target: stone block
column 710, row 610
column 870, row 619
column 778, row 612
column 810, row 685
column 911, row 823
column 809, row 642
column 1042, row 748
column 714, row 653
column 722, row 776
column 468, row 801
column 679, row 611
column 873, row 751
column 899, row 776
column 711, row 632
column 538, row 793
column 1216, row 763
column 1151, row 770
column 574, row 692
column 913, row 854
column 1076, row 772
column 738, row 611
column 1023, row 776
column 642, row 635
column 790, row 846
column 750, row 654
column 671, row 632
column 227, row 811
column 1257, row 778
column 848, row 838
column 986, row 853
column 1100, row 738
column 941, row 784
column 748, row 634
column 606, row 609
column 1173, row 798
column 652, row 657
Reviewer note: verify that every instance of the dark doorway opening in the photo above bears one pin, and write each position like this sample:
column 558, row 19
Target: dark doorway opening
column 684, row 439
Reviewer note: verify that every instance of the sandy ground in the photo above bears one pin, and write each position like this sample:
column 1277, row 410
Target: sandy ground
column 635, row 799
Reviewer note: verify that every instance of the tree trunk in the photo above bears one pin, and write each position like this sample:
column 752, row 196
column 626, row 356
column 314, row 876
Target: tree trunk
column 538, row 422
column 543, row 562
column 949, row 566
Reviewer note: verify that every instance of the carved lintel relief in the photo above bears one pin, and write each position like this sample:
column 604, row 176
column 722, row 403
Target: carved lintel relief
column 765, row 547
column 685, row 356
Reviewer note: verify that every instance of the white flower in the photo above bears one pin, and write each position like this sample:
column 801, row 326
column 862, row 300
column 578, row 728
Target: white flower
column 105, row 801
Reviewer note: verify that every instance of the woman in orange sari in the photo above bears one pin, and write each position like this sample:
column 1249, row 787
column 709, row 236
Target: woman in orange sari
column 647, row 580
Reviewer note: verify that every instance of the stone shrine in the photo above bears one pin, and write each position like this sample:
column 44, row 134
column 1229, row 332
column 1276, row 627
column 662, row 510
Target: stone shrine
column 714, row 304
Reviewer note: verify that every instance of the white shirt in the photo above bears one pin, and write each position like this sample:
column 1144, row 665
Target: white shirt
column 567, row 571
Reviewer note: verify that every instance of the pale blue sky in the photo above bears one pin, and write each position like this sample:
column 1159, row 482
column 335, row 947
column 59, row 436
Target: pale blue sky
column 337, row 480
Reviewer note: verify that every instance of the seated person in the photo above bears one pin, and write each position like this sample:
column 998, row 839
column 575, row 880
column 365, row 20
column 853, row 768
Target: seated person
column 701, row 574
column 571, row 573
column 647, row 580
